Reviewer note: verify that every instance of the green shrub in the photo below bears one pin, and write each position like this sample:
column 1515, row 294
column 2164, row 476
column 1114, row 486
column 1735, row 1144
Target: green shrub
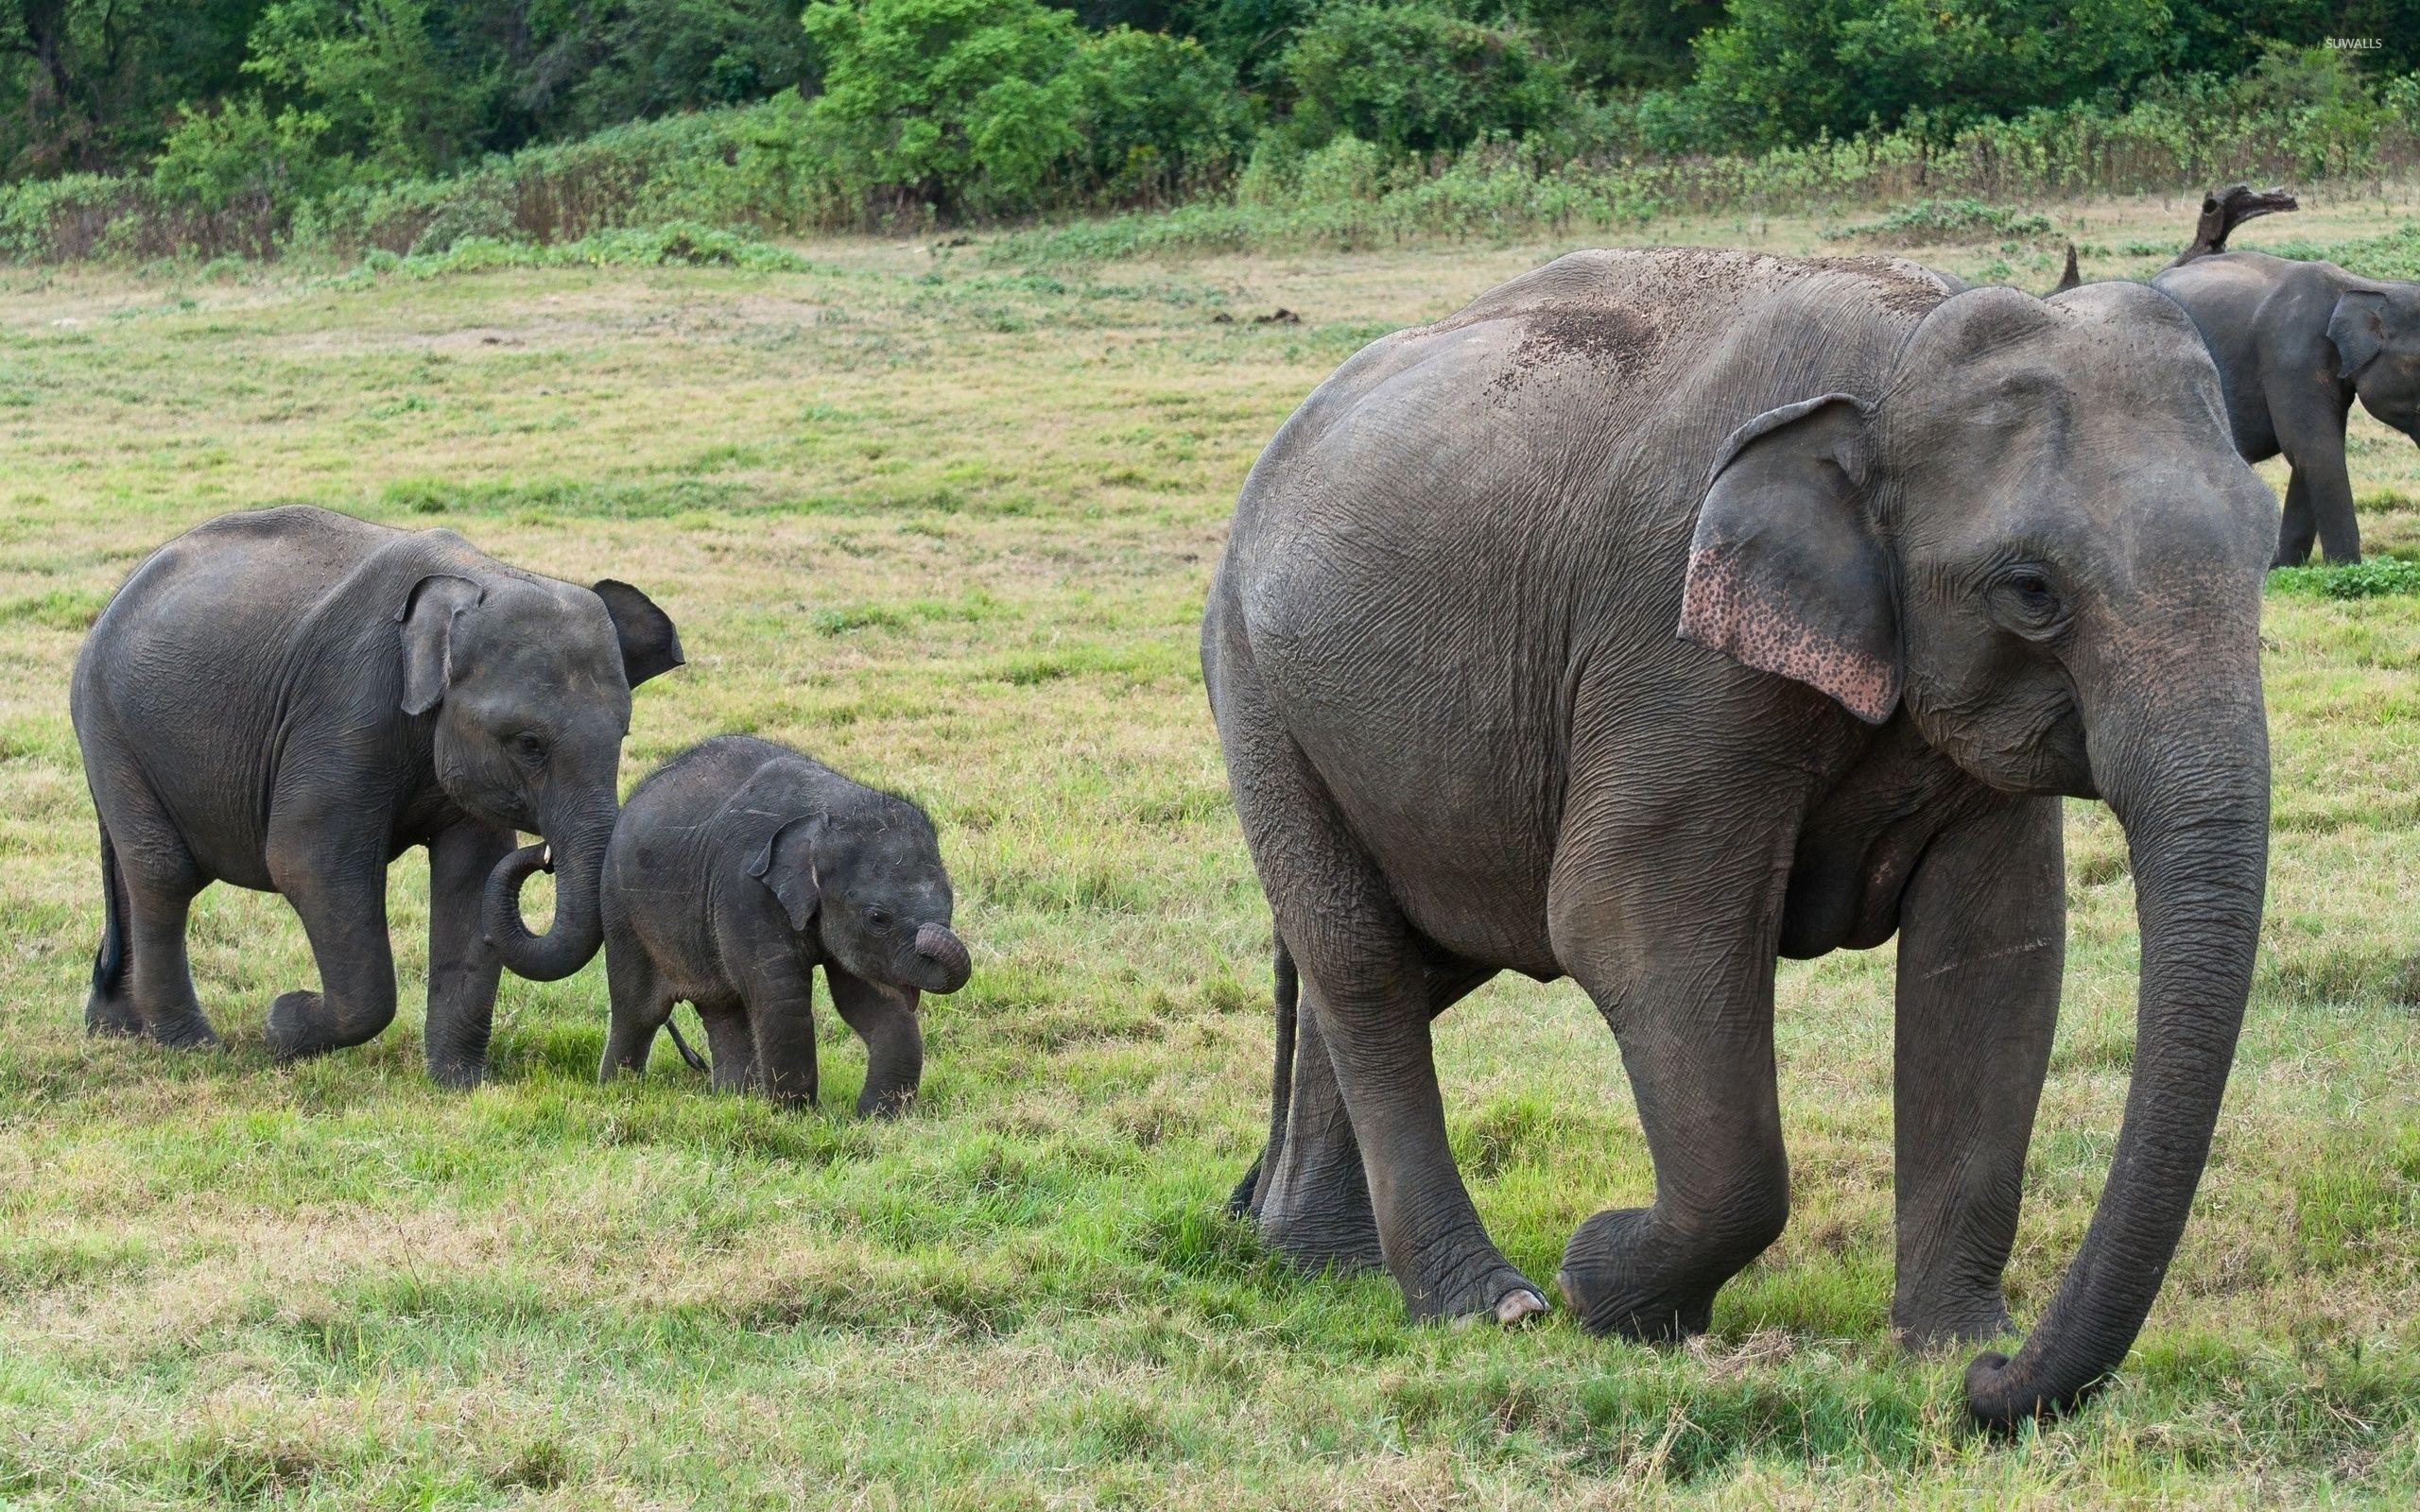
column 1945, row 220
column 213, row 159
column 2372, row 578
column 1161, row 114
column 382, row 88
column 1414, row 78
column 1787, row 70
column 948, row 105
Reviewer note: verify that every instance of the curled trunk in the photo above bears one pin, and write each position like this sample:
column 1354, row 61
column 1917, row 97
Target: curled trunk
column 943, row 964
column 579, row 866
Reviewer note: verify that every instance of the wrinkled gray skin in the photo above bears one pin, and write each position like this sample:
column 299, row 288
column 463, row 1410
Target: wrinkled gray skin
column 1934, row 559
column 738, row 868
column 287, row 700
column 2296, row 342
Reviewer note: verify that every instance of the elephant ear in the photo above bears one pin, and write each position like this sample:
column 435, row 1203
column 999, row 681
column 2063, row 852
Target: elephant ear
column 786, row 868
column 429, row 616
column 1786, row 573
column 2358, row 328
column 650, row 647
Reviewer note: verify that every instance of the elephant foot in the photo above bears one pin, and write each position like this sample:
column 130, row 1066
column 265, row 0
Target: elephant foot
column 1481, row 1287
column 301, row 1024
column 192, row 1032
column 1921, row 1328
column 1511, row 1310
column 111, row 1016
column 1324, row 1225
column 1624, row 1278
column 459, row 1073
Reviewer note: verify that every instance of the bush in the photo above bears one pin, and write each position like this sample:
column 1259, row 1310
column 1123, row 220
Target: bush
column 213, row 159
column 1789, row 70
column 949, row 105
column 1414, row 79
column 1945, row 220
column 1160, row 114
column 2371, row 577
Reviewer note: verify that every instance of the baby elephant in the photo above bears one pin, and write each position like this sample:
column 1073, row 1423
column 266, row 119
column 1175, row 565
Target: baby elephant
column 736, row 870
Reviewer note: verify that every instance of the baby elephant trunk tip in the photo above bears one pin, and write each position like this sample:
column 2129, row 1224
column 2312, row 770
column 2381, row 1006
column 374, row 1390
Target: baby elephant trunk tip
column 946, row 953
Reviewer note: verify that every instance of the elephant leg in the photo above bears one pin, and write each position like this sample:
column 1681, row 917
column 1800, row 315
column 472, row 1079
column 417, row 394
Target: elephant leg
column 778, row 991
column 1314, row 1204
column 885, row 1018
column 1666, row 907
column 1982, row 947
column 1365, row 996
column 2296, row 528
column 2311, row 432
column 641, row 1005
column 463, row 967
column 151, row 881
column 732, row 1044
column 336, row 877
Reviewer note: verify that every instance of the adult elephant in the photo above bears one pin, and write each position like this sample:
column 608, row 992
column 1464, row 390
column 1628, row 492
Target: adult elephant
column 289, row 699
column 1934, row 559
column 2296, row 342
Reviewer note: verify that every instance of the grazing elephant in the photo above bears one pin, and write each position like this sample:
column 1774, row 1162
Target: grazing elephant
column 2296, row 343
column 1933, row 559
column 288, row 699
column 740, row 866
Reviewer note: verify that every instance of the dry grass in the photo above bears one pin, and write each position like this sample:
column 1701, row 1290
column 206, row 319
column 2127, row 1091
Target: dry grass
column 948, row 527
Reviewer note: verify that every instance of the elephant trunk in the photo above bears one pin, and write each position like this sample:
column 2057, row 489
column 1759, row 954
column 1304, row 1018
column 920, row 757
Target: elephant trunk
column 578, row 865
column 2189, row 779
column 943, row 965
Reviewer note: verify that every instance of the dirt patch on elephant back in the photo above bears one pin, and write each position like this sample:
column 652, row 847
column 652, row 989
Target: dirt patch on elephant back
column 1901, row 287
column 1607, row 339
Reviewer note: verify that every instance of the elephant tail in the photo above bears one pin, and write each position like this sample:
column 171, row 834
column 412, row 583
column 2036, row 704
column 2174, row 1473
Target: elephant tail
column 1286, row 994
column 109, row 961
column 697, row 1061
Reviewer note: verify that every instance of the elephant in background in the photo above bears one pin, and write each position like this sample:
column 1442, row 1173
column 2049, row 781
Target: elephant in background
column 2296, row 342
column 288, row 699
column 1665, row 612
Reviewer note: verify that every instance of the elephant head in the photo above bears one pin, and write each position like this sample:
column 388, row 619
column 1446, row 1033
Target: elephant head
column 2037, row 538
column 866, row 887
column 528, row 682
column 2376, row 334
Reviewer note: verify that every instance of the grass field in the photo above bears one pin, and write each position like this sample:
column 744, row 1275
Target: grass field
column 946, row 523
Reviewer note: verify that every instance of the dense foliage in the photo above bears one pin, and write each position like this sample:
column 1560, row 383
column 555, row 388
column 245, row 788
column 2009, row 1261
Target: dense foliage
column 142, row 127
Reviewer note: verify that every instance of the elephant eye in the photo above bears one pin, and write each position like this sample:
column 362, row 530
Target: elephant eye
column 877, row 921
column 2029, row 604
column 530, row 748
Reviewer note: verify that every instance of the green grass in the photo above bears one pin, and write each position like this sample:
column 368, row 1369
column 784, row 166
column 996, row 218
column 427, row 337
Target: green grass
column 946, row 523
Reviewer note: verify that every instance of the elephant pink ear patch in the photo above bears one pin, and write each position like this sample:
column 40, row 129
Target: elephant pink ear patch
column 1727, row 610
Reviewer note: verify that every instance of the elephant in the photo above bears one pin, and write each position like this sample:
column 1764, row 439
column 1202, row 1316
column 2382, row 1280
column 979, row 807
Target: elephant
column 288, row 699
column 2296, row 343
column 738, row 868
column 1666, row 612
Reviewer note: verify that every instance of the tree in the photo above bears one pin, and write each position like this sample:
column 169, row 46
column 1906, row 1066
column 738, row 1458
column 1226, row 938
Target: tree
column 1413, row 77
column 960, row 104
column 86, row 84
column 1783, row 70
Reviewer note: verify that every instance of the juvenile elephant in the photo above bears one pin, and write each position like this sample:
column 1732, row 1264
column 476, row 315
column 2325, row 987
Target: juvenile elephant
column 740, row 866
column 2296, row 343
column 1933, row 559
column 287, row 700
